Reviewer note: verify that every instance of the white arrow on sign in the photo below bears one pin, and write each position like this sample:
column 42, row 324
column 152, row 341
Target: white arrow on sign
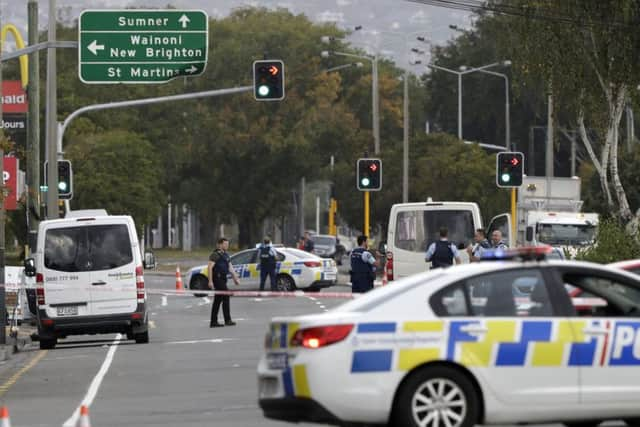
column 184, row 20
column 192, row 70
column 94, row 47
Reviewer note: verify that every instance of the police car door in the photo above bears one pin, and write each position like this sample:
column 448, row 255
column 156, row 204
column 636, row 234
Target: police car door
column 606, row 321
column 513, row 339
column 245, row 264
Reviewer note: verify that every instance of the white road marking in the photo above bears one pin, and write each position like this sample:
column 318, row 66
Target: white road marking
column 164, row 301
column 206, row 300
column 322, row 306
column 214, row 341
column 312, row 298
column 153, row 313
column 95, row 384
column 318, row 302
column 152, row 324
column 189, row 307
column 257, row 299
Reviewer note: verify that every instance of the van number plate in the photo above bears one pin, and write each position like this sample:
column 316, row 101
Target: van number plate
column 68, row 311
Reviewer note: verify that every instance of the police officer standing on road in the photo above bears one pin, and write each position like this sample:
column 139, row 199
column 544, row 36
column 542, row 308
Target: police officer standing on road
column 219, row 267
column 442, row 253
column 267, row 257
column 481, row 243
column 363, row 267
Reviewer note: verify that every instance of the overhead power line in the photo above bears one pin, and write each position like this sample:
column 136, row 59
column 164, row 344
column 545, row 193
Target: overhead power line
column 521, row 11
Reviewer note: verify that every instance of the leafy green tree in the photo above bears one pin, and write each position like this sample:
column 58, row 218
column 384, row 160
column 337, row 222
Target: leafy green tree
column 118, row 171
column 612, row 244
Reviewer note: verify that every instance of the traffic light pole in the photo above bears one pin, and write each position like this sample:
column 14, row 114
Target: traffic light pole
column 366, row 214
column 145, row 101
column 514, row 223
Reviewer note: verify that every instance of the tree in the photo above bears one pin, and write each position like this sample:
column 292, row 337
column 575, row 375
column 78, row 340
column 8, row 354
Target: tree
column 586, row 51
column 118, row 171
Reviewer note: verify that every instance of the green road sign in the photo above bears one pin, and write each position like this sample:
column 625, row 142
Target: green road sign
column 141, row 46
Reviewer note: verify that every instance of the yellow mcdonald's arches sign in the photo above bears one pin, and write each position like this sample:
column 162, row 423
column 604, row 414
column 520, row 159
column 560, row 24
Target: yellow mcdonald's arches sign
column 24, row 59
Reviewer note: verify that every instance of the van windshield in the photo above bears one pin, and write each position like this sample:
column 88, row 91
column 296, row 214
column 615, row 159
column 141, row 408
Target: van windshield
column 88, row 248
column 415, row 230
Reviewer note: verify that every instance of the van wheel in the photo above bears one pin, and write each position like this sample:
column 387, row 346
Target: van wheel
column 632, row 422
column 48, row 343
column 285, row 283
column 437, row 396
column 142, row 338
column 130, row 335
column 199, row 283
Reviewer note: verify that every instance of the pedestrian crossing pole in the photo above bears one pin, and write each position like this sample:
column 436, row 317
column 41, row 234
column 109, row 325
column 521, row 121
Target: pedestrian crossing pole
column 366, row 214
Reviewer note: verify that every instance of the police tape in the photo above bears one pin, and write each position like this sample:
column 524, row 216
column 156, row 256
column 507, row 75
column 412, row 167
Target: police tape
column 253, row 294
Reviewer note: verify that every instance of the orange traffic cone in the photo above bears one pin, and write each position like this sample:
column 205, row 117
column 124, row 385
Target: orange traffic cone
column 84, row 421
column 179, row 286
column 4, row 417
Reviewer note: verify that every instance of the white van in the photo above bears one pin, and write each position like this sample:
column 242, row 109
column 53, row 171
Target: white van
column 89, row 278
column 414, row 226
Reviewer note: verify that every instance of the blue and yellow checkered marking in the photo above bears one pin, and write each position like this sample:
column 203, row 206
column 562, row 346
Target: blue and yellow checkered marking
column 499, row 343
column 280, row 334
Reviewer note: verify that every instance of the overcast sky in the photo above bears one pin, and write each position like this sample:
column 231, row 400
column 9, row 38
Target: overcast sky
column 376, row 17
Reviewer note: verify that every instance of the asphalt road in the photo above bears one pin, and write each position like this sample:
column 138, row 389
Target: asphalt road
column 188, row 375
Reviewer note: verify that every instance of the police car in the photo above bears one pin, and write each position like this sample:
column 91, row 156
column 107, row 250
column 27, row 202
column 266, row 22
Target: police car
column 482, row 343
column 295, row 269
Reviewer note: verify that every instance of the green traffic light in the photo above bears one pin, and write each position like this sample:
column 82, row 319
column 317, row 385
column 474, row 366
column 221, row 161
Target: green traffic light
column 62, row 186
column 365, row 182
column 264, row 90
column 506, row 177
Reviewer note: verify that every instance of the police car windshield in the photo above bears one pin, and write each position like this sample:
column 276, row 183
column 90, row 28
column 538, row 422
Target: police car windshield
column 381, row 295
column 566, row 234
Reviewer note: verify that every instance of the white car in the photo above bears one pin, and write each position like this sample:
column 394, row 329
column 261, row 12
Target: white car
column 295, row 269
column 463, row 346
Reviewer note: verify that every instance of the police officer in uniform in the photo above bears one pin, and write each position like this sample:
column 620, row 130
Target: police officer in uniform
column 362, row 267
column 267, row 257
column 442, row 253
column 481, row 244
column 219, row 267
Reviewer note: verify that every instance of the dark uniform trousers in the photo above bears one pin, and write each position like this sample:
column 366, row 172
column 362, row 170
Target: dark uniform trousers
column 361, row 282
column 220, row 284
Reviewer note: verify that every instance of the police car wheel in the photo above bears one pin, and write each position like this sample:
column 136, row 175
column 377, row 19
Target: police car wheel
column 285, row 283
column 437, row 397
column 199, row 283
column 48, row 343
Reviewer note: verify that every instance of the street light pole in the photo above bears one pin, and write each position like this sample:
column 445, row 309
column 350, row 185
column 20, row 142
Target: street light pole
column 464, row 70
column 506, row 106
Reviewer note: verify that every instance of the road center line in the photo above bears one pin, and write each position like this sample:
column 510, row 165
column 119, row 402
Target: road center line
column 11, row 381
column 95, row 384
column 164, row 301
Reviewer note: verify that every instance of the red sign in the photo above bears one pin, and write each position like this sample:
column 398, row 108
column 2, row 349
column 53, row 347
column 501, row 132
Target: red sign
column 10, row 175
column 14, row 98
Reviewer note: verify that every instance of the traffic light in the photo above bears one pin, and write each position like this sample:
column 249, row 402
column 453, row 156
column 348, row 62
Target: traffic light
column 268, row 80
column 65, row 178
column 509, row 169
column 369, row 174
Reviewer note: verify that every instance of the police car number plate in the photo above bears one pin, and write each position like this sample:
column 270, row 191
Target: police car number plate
column 68, row 311
column 278, row 361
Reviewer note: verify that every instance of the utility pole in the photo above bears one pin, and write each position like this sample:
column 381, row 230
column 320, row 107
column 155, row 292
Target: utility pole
column 549, row 151
column 33, row 130
column 405, row 141
column 52, row 119
column 376, row 106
